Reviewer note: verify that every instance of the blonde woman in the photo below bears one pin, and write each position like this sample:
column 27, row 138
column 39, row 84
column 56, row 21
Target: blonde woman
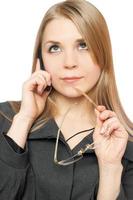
column 69, row 137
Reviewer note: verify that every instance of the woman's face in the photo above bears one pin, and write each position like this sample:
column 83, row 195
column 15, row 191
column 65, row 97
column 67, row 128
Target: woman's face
column 67, row 58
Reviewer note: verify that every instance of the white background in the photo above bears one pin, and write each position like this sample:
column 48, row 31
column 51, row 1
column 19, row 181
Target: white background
column 19, row 22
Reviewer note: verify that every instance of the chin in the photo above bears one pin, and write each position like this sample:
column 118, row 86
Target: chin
column 70, row 93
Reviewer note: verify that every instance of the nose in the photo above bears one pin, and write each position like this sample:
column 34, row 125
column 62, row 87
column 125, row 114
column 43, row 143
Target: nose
column 70, row 60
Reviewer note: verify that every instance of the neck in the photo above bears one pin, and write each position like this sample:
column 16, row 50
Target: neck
column 79, row 118
column 80, row 108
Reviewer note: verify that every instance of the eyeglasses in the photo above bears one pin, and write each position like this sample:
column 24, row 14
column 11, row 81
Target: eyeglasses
column 76, row 157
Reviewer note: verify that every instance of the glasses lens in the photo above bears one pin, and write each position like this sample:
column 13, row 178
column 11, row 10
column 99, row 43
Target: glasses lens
column 70, row 160
column 79, row 155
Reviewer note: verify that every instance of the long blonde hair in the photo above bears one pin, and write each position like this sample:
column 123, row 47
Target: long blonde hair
column 93, row 28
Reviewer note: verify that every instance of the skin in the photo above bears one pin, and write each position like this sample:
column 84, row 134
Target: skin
column 71, row 59
column 68, row 56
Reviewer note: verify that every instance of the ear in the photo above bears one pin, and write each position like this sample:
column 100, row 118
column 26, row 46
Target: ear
column 37, row 65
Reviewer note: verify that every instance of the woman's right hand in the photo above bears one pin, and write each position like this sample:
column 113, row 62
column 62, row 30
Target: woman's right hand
column 34, row 94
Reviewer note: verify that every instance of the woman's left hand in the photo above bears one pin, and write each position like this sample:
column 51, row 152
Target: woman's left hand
column 110, row 137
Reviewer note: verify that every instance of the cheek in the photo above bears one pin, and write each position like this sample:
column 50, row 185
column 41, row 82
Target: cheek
column 48, row 65
column 93, row 70
column 93, row 74
column 52, row 70
column 51, row 64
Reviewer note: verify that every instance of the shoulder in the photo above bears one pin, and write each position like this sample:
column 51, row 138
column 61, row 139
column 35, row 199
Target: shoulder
column 6, row 110
column 6, row 114
column 129, row 151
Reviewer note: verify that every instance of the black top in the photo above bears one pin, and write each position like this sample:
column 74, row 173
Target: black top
column 13, row 144
column 32, row 174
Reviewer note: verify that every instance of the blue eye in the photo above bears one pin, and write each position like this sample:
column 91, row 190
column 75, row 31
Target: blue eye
column 53, row 48
column 83, row 45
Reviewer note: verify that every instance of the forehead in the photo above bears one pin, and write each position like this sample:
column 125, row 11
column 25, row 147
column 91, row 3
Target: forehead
column 60, row 28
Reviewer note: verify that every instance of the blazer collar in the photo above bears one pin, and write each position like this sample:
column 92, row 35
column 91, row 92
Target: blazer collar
column 48, row 130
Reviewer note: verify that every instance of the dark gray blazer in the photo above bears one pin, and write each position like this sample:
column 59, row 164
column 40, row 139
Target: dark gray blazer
column 33, row 175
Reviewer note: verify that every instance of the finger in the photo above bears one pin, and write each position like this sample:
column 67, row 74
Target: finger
column 112, row 127
column 38, row 84
column 43, row 85
column 48, row 79
column 45, row 75
column 98, row 121
column 107, row 114
column 107, row 123
column 43, row 78
column 37, row 65
column 101, row 108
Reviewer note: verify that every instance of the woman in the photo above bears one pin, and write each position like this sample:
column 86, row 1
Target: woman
column 69, row 137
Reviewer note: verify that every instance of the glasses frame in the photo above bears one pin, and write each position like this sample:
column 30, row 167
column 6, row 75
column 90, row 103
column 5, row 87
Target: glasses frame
column 79, row 155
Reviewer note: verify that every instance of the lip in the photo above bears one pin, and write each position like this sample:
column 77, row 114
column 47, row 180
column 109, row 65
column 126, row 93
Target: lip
column 72, row 79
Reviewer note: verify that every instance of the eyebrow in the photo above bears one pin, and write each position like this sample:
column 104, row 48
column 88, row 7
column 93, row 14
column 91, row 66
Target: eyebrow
column 57, row 42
